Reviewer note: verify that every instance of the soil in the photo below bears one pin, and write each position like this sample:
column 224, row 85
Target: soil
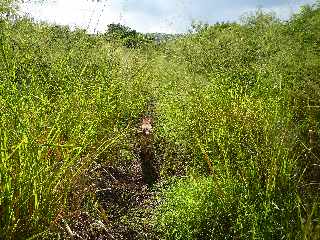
column 118, row 199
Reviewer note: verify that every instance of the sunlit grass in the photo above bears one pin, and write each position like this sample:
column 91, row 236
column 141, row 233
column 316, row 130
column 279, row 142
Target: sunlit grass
column 233, row 107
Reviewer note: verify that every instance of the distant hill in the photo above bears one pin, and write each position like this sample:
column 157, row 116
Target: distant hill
column 162, row 37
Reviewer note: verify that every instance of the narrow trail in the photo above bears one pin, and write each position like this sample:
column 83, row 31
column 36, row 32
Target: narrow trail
column 146, row 151
column 124, row 199
column 123, row 192
column 145, row 146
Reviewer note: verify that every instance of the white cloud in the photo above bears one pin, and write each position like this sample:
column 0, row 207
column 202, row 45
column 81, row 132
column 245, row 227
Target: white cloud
column 142, row 15
column 151, row 15
column 81, row 13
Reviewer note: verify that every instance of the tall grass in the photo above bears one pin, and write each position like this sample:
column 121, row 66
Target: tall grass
column 236, row 110
column 238, row 100
column 62, row 105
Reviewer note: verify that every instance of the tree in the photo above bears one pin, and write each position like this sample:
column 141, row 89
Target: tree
column 126, row 36
column 7, row 8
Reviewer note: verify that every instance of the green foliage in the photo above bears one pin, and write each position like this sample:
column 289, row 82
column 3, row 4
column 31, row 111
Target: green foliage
column 125, row 36
column 236, row 110
column 5, row 7
column 65, row 99
column 241, row 101
column 208, row 208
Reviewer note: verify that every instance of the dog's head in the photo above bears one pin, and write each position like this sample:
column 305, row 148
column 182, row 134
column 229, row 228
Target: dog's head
column 146, row 125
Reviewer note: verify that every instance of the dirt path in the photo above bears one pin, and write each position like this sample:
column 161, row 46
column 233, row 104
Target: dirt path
column 146, row 150
column 123, row 195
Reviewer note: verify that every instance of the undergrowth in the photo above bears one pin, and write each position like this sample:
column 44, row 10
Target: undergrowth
column 236, row 112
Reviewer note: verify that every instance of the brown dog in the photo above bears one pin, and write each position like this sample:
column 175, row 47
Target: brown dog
column 146, row 126
column 146, row 150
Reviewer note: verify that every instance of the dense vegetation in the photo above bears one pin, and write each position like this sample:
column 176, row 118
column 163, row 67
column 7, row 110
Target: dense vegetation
column 237, row 124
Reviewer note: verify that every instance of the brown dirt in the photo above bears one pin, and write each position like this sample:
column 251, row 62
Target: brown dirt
column 114, row 201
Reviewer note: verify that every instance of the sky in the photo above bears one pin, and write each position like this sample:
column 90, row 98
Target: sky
column 165, row 16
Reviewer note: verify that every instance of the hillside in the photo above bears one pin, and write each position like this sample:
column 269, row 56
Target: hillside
column 209, row 135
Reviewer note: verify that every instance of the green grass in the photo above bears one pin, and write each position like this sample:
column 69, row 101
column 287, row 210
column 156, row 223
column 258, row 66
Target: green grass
column 234, row 108
column 240, row 101
column 61, row 107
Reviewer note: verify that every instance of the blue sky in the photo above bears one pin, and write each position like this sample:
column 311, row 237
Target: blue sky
column 170, row 16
